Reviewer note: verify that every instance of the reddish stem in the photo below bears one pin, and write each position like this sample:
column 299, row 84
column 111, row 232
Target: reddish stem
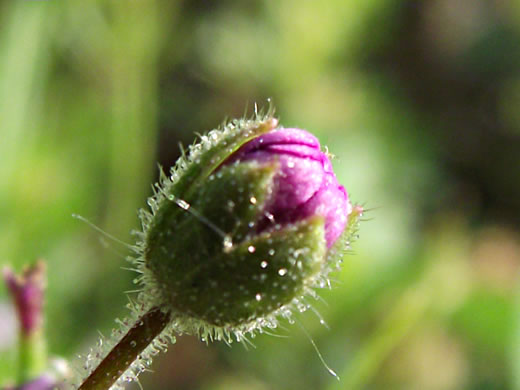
column 124, row 353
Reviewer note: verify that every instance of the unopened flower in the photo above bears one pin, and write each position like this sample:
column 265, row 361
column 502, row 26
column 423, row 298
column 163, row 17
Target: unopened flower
column 249, row 222
column 241, row 233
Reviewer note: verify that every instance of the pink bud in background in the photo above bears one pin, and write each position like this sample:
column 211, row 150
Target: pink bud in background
column 27, row 291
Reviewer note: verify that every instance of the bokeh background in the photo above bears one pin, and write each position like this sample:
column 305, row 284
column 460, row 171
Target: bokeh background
column 419, row 101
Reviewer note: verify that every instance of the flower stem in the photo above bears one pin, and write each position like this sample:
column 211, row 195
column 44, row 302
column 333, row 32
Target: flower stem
column 32, row 356
column 119, row 359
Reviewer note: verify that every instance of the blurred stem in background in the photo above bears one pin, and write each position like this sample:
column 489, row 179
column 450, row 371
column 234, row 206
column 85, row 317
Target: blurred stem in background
column 434, row 294
column 133, row 77
column 405, row 314
column 23, row 67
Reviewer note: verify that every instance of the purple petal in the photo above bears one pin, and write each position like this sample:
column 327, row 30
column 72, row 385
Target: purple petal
column 331, row 202
column 305, row 185
column 282, row 136
column 295, row 183
column 301, row 151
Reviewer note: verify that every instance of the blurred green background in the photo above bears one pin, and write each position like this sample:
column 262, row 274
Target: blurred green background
column 419, row 101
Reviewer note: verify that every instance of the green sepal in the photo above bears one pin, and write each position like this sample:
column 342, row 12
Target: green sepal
column 233, row 198
column 207, row 161
column 221, row 213
column 342, row 244
column 256, row 277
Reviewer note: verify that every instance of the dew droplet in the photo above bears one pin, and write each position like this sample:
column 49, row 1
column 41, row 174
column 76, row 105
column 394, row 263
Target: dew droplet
column 258, row 297
column 263, row 264
column 282, row 271
column 228, row 243
column 252, row 200
column 251, row 249
column 271, row 252
column 290, row 164
column 183, row 204
column 269, row 216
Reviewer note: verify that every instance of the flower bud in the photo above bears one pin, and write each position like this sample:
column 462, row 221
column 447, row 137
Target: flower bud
column 28, row 291
column 247, row 224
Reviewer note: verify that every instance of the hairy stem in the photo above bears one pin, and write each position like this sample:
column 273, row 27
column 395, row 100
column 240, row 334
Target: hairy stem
column 119, row 359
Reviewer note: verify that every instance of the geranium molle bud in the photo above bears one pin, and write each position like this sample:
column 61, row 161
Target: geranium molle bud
column 249, row 222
